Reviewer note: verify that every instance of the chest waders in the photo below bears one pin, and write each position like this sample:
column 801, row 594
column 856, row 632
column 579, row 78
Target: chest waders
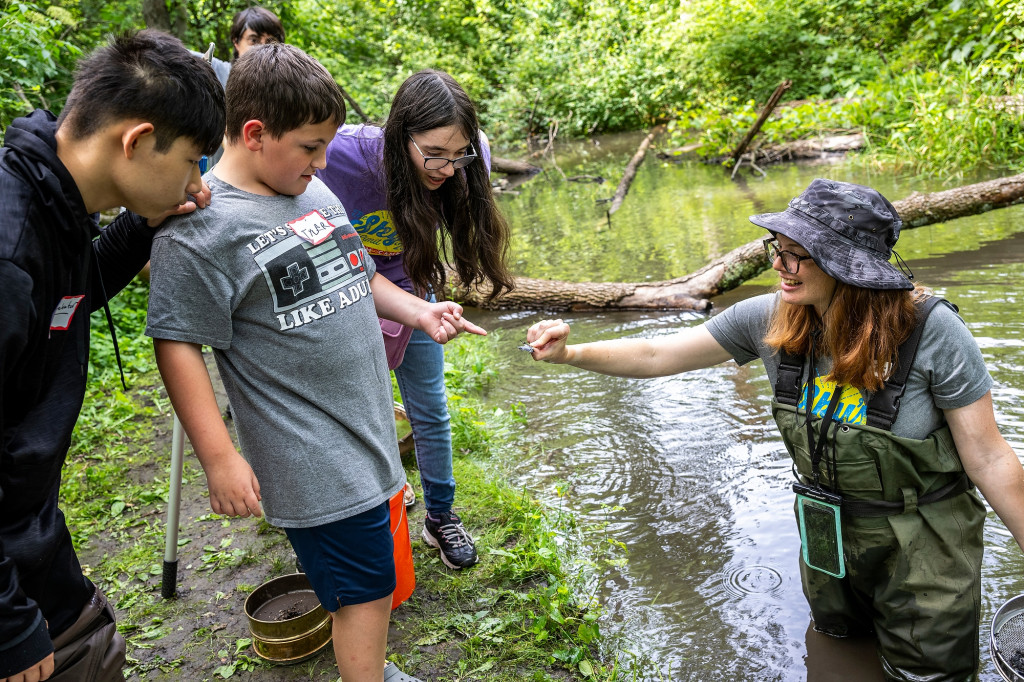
column 911, row 528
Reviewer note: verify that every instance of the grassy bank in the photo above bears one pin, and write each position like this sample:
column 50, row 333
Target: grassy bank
column 950, row 124
column 526, row 611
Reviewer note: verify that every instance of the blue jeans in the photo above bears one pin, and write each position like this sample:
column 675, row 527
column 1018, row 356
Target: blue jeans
column 421, row 383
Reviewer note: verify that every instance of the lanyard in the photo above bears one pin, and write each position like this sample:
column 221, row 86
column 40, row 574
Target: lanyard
column 816, row 446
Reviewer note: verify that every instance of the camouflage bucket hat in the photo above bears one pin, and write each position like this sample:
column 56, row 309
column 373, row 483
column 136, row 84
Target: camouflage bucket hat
column 849, row 230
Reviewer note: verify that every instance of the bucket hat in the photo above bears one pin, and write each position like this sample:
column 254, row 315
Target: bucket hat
column 849, row 230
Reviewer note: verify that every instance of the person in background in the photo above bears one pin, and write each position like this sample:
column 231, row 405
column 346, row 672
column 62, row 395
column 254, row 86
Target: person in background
column 254, row 26
column 425, row 175
column 884, row 403
column 275, row 279
column 141, row 113
column 251, row 27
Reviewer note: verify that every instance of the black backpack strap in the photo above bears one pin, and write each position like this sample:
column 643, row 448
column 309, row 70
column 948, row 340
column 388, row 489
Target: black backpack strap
column 884, row 405
column 788, row 382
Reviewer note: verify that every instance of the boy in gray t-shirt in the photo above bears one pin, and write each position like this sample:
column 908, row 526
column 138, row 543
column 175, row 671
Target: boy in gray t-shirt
column 276, row 280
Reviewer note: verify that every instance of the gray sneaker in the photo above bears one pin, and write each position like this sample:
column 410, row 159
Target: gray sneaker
column 446, row 532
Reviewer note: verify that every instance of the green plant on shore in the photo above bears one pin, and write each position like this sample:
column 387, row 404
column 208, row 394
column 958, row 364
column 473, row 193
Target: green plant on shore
column 944, row 124
column 939, row 124
column 128, row 313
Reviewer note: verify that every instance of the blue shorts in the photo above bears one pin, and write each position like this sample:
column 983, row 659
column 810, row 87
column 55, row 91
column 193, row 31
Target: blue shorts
column 351, row 561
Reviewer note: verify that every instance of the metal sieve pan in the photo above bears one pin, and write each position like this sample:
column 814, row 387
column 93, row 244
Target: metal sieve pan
column 1007, row 640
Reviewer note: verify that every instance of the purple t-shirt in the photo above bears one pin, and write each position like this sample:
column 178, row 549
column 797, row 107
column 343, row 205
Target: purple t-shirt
column 354, row 174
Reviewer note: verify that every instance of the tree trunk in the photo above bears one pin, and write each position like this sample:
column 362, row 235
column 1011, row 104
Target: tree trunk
column 765, row 113
column 155, row 14
column 179, row 19
column 691, row 292
column 630, row 173
column 354, row 104
column 167, row 17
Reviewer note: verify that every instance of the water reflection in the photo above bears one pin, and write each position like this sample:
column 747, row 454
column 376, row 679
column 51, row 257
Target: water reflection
column 689, row 471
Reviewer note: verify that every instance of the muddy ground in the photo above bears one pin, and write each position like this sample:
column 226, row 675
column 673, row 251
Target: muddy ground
column 199, row 634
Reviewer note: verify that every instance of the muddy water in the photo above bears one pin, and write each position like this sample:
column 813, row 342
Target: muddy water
column 688, row 472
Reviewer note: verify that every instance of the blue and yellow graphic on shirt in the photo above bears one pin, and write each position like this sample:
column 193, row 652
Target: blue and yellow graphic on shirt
column 378, row 234
column 851, row 409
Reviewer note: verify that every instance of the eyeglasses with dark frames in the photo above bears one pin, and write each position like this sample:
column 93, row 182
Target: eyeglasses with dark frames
column 790, row 260
column 439, row 162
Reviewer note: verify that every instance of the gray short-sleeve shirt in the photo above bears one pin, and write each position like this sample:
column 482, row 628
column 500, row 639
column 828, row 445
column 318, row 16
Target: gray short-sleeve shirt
column 948, row 371
column 279, row 287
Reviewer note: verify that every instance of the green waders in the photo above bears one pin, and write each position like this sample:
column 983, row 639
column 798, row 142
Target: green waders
column 911, row 536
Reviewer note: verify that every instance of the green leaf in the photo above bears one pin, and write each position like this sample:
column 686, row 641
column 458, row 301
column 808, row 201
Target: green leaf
column 225, row 671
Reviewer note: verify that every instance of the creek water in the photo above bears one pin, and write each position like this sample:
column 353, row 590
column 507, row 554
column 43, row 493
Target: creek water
column 688, row 472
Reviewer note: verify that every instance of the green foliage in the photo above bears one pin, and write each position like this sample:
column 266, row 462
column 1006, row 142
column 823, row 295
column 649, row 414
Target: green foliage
column 944, row 123
column 603, row 65
column 591, row 66
column 940, row 124
column 36, row 58
column 985, row 34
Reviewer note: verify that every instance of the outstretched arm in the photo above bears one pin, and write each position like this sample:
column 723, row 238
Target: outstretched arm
column 234, row 490
column 441, row 321
column 990, row 461
column 692, row 348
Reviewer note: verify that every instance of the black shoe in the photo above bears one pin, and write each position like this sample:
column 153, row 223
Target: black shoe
column 446, row 532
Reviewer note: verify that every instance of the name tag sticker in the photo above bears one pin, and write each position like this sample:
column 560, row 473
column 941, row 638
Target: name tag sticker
column 65, row 312
column 312, row 227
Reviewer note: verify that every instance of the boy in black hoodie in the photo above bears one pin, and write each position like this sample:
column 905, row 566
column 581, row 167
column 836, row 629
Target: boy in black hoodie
column 141, row 113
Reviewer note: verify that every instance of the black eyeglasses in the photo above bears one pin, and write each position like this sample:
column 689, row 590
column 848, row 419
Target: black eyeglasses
column 790, row 260
column 439, row 162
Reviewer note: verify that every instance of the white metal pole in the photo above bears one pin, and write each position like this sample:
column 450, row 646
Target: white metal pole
column 170, row 577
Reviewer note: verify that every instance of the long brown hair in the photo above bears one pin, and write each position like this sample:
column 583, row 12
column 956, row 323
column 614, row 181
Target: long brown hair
column 861, row 332
column 473, row 232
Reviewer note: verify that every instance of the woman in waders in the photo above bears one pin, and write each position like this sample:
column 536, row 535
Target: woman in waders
column 901, row 426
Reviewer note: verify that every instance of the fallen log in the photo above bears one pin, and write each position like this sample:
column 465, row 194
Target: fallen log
column 693, row 291
column 813, row 148
column 512, row 167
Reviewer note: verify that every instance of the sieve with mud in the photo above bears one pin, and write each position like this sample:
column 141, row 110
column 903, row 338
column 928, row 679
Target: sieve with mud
column 287, row 622
column 1007, row 639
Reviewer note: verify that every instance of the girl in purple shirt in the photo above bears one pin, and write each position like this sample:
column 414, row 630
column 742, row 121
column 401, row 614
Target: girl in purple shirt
column 426, row 171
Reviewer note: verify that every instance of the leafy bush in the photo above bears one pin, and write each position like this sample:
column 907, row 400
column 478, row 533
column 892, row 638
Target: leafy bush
column 35, row 59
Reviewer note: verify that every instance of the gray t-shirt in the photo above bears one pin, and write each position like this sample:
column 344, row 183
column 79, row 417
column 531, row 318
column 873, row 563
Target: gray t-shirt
column 279, row 287
column 948, row 372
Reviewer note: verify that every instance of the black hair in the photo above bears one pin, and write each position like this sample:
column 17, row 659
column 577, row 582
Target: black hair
column 150, row 76
column 282, row 87
column 473, row 231
column 261, row 20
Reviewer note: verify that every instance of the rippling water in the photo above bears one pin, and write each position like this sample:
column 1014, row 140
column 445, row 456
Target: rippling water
column 688, row 471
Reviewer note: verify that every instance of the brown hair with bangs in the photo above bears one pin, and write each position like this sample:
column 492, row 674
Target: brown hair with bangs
column 861, row 332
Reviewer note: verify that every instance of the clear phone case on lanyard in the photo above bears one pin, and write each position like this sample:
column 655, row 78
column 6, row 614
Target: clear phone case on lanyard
column 821, row 535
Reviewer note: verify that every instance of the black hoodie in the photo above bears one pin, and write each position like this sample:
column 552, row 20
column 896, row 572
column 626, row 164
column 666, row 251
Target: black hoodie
column 50, row 260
